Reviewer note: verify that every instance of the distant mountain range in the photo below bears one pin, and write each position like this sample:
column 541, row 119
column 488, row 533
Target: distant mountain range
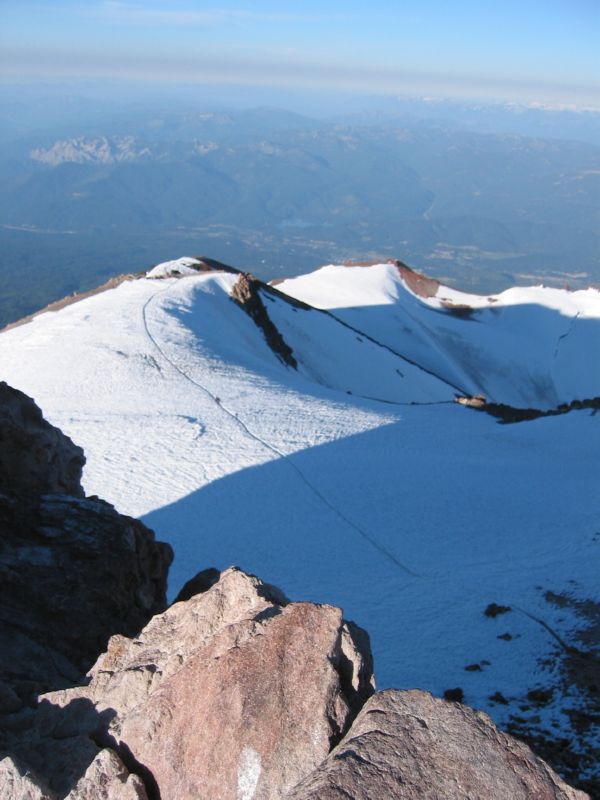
column 281, row 194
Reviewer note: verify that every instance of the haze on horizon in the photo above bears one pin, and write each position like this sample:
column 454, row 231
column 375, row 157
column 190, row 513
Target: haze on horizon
column 543, row 51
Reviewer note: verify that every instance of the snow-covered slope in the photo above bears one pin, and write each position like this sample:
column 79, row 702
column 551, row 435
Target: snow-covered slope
column 529, row 347
column 413, row 514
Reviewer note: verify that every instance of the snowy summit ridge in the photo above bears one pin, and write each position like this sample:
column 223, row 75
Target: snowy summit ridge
column 353, row 477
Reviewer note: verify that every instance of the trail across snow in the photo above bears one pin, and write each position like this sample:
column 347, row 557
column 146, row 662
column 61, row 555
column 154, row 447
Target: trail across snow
column 273, row 449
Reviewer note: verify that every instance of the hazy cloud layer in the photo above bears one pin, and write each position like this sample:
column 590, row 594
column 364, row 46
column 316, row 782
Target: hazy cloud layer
column 510, row 51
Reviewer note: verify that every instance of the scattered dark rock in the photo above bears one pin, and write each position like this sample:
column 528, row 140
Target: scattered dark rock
column 461, row 310
column 509, row 414
column 540, row 697
column 507, row 637
column 454, row 695
column 494, row 610
column 473, row 668
column 498, row 697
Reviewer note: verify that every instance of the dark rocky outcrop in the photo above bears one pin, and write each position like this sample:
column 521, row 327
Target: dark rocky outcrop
column 247, row 295
column 72, row 570
column 412, row 746
column 72, row 573
column 35, row 457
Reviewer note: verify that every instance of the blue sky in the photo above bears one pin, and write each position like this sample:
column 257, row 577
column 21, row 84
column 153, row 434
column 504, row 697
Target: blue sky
column 544, row 50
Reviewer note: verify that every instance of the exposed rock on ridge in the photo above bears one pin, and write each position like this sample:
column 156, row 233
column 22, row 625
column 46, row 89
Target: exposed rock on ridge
column 246, row 294
column 508, row 414
column 420, row 284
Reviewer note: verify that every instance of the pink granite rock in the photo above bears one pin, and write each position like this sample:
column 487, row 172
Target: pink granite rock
column 412, row 746
column 232, row 694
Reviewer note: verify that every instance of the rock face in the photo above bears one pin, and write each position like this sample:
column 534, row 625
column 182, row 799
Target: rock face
column 233, row 694
column 17, row 782
column 35, row 457
column 72, row 570
column 413, row 746
column 72, row 573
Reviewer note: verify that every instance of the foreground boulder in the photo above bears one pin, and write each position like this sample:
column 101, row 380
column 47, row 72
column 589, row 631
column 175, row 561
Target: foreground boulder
column 412, row 746
column 234, row 693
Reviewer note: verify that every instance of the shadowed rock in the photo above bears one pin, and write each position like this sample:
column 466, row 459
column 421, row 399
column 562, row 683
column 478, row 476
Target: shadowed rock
column 72, row 570
column 412, row 746
column 72, row 573
column 35, row 457
column 19, row 783
column 201, row 582
column 105, row 779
